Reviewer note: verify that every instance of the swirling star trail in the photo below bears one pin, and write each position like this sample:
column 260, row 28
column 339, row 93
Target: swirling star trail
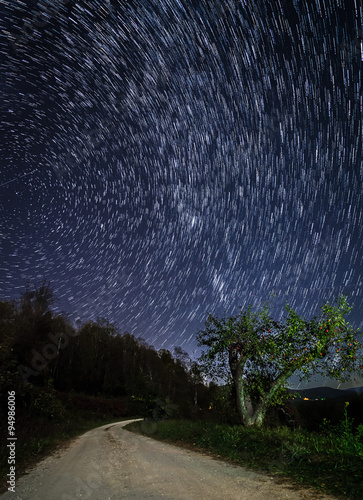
column 166, row 159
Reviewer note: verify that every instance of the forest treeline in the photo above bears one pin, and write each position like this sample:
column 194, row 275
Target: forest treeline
column 41, row 349
column 68, row 379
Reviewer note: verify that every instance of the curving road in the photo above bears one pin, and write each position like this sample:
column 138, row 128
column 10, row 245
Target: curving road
column 110, row 463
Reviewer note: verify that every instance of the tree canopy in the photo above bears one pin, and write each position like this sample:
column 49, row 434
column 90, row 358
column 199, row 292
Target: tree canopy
column 260, row 354
column 40, row 347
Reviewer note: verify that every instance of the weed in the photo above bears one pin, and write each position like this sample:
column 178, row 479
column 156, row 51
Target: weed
column 330, row 460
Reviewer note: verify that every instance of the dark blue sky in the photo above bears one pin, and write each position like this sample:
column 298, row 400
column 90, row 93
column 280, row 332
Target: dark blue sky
column 163, row 160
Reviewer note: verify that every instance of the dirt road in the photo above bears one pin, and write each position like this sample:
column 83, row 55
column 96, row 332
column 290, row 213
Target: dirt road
column 110, row 463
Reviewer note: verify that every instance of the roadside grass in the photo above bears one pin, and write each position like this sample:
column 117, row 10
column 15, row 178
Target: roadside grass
column 38, row 437
column 330, row 460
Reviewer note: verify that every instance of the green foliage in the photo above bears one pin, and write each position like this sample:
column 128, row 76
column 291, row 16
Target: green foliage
column 313, row 459
column 260, row 384
column 261, row 354
column 44, row 404
column 222, row 406
column 39, row 347
column 59, row 372
column 346, row 439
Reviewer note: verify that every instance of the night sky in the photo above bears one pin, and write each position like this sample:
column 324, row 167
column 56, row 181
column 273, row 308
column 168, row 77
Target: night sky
column 163, row 159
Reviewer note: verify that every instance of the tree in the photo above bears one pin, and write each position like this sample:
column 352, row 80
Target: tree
column 181, row 355
column 263, row 354
column 8, row 359
column 31, row 335
column 195, row 380
column 37, row 300
column 91, row 356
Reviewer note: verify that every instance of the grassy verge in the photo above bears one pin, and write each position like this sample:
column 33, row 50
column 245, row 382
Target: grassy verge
column 330, row 461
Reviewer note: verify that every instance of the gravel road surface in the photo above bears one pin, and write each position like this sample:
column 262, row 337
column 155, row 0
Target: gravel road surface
column 110, row 463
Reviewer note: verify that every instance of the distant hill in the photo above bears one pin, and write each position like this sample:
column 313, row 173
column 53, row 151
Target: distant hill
column 355, row 389
column 326, row 392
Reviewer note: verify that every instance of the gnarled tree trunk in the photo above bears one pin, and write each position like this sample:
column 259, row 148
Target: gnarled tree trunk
column 249, row 415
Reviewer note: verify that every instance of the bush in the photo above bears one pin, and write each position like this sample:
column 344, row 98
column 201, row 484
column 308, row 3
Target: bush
column 43, row 403
column 313, row 413
column 94, row 406
column 222, row 408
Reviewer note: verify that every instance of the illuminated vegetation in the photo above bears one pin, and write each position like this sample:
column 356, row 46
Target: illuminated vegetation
column 260, row 354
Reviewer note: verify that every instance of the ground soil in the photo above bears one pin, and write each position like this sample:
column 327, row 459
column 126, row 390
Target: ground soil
column 111, row 463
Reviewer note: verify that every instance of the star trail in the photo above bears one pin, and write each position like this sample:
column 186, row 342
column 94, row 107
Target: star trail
column 166, row 159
